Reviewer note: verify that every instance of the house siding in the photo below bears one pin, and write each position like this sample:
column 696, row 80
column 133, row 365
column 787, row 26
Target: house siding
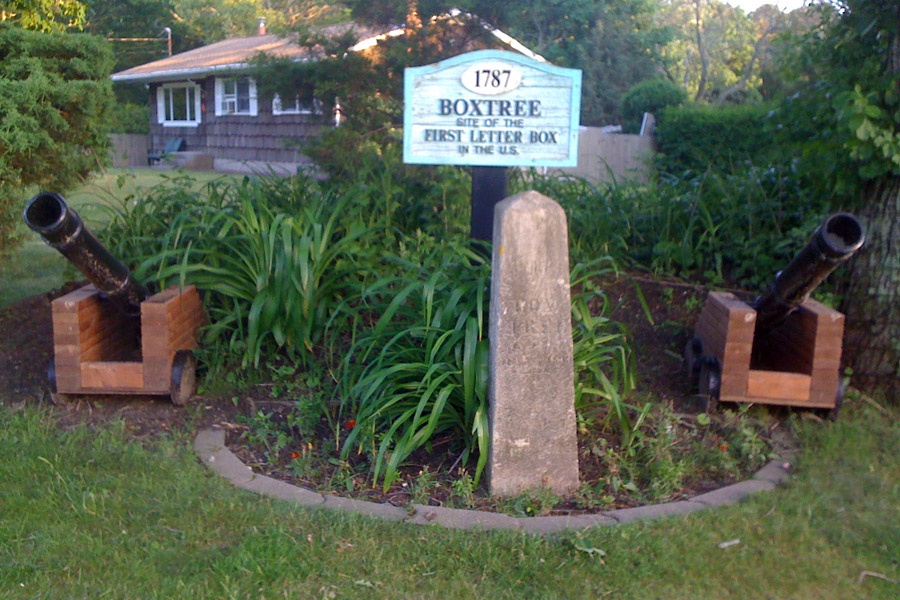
column 265, row 137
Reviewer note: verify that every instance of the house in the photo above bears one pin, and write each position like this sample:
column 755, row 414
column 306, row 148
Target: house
column 202, row 98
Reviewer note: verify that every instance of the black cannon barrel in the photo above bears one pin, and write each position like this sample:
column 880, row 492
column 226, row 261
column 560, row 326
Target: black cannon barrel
column 832, row 244
column 48, row 214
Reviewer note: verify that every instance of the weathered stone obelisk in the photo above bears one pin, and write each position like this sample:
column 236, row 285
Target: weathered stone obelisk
column 531, row 389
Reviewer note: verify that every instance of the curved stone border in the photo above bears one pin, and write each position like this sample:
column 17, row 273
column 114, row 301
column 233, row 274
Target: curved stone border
column 210, row 448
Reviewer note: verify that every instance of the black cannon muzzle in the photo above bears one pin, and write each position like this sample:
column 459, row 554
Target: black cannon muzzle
column 61, row 227
column 832, row 244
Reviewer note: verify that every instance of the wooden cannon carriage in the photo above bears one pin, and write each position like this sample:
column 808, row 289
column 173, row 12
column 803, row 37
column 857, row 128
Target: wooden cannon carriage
column 113, row 337
column 99, row 350
column 785, row 348
column 797, row 365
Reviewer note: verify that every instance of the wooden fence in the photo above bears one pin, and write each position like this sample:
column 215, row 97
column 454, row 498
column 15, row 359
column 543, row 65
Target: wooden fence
column 608, row 157
column 129, row 150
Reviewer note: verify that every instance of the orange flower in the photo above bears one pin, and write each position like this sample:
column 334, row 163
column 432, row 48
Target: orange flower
column 350, row 424
column 723, row 447
column 295, row 455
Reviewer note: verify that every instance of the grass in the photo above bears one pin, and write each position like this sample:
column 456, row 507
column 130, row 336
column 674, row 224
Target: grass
column 35, row 268
column 90, row 513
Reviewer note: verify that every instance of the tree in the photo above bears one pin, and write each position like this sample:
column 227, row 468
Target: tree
column 368, row 85
column 43, row 15
column 208, row 21
column 55, row 95
column 650, row 96
column 848, row 114
column 114, row 20
column 615, row 43
column 624, row 48
column 870, row 110
column 717, row 46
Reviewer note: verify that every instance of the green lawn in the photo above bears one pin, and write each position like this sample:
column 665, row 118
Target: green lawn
column 36, row 268
column 87, row 514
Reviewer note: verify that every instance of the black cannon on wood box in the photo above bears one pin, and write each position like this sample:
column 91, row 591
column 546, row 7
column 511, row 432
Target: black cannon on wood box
column 112, row 336
column 784, row 348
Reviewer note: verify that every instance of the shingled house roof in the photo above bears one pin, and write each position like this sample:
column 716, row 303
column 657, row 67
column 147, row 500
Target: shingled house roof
column 235, row 53
column 230, row 54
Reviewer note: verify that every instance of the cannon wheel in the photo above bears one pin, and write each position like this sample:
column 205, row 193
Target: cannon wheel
column 184, row 377
column 693, row 355
column 710, row 381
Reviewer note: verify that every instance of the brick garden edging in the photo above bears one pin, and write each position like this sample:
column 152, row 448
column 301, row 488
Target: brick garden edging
column 210, row 448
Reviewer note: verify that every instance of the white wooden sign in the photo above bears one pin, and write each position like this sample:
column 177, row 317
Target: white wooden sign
column 491, row 108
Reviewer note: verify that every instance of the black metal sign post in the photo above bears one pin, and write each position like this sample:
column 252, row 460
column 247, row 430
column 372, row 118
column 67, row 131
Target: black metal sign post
column 489, row 186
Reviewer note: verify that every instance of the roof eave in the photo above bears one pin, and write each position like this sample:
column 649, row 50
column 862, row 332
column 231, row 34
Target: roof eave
column 176, row 74
column 180, row 74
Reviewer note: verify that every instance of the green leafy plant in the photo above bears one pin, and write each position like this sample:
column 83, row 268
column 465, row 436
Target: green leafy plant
column 421, row 371
column 291, row 270
column 535, row 503
column 423, row 487
column 604, row 363
column 463, row 488
column 272, row 276
column 264, row 430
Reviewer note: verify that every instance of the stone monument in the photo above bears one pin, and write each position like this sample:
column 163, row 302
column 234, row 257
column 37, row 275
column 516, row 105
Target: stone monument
column 531, row 389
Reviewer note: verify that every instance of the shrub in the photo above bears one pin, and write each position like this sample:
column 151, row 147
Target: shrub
column 407, row 198
column 10, row 230
column 649, row 97
column 603, row 219
column 696, row 138
column 290, row 270
column 604, row 363
column 714, row 226
column 276, row 277
column 54, row 100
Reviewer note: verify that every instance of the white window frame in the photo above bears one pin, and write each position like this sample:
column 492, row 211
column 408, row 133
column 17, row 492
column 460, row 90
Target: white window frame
column 165, row 96
column 228, row 100
column 296, row 109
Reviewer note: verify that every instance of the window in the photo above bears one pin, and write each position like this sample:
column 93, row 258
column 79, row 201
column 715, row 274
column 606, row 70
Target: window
column 296, row 107
column 235, row 96
column 178, row 104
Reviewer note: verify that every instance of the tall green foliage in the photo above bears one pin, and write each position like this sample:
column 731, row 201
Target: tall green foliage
column 273, row 265
column 421, row 371
column 623, row 48
column 616, row 43
column 339, row 282
column 713, row 225
column 54, row 100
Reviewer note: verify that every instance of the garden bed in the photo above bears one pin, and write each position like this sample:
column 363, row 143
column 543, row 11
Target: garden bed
column 680, row 452
column 679, row 455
